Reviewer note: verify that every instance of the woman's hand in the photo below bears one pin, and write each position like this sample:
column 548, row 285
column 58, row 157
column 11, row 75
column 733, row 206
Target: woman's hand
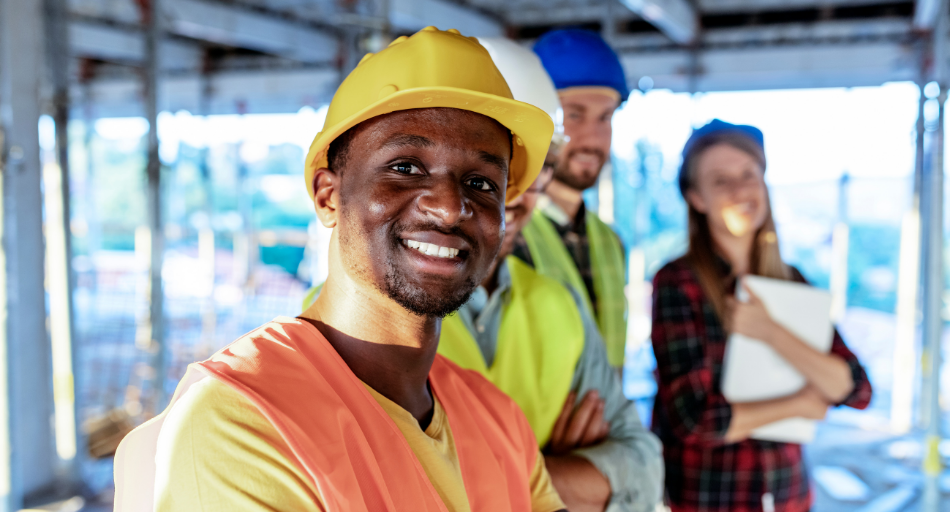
column 808, row 403
column 828, row 373
column 751, row 319
column 811, row 403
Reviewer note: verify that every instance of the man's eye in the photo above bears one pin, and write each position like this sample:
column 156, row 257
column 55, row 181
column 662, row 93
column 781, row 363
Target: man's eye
column 481, row 184
column 405, row 168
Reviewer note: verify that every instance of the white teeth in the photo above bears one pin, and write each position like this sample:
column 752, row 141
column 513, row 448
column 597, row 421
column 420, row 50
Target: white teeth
column 432, row 249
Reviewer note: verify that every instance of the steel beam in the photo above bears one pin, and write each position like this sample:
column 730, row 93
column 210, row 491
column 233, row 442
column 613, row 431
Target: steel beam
column 926, row 13
column 787, row 34
column 259, row 92
column 931, row 237
column 777, row 67
column 156, row 296
column 675, row 18
column 59, row 253
column 746, row 6
column 241, row 28
column 932, row 263
column 216, row 22
column 27, row 456
column 564, row 14
column 109, row 43
column 412, row 15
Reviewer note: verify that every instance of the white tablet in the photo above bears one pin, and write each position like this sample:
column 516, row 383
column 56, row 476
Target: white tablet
column 754, row 372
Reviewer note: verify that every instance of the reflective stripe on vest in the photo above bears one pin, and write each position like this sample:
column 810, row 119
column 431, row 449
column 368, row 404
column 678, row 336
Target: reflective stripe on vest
column 607, row 261
column 342, row 438
column 539, row 343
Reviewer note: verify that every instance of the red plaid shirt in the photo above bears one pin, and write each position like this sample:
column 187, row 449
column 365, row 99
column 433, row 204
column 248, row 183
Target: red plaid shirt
column 691, row 415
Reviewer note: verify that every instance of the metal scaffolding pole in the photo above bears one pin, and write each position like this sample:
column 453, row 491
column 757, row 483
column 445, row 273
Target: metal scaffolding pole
column 932, row 252
column 206, row 234
column 27, row 457
column 905, row 359
column 931, row 238
column 59, row 251
column 151, row 16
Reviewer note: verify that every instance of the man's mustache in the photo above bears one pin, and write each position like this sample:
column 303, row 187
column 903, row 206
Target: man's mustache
column 599, row 153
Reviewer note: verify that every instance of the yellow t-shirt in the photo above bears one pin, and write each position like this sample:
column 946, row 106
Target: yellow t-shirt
column 217, row 452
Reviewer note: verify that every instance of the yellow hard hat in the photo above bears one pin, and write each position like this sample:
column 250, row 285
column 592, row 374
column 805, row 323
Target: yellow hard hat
column 432, row 69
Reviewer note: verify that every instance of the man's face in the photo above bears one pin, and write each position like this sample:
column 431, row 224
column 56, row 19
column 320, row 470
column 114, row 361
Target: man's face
column 518, row 211
column 422, row 200
column 587, row 118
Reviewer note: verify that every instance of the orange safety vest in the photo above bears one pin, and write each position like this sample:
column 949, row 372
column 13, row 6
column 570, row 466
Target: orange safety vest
column 340, row 436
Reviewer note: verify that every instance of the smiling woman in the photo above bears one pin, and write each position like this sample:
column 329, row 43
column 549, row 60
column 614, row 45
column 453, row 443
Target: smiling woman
column 708, row 442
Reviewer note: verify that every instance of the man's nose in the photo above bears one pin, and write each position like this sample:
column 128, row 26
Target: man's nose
column 444, row 202
column 581, row 132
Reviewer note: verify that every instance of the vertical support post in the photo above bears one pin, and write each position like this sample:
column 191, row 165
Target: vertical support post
column 59, row 251
column 840, row 243
column 206, row 234
column 905, row 344
column 151, row 14
column 27, row 458
column 932, row 244
column 90, row 212
column 386, row 30
column 932, row 249
column 248, row 247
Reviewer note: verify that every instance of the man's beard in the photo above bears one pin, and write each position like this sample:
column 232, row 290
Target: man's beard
column 414, row 298
column 563, row 173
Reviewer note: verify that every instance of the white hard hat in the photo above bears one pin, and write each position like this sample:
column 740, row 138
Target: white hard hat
column 526, row 77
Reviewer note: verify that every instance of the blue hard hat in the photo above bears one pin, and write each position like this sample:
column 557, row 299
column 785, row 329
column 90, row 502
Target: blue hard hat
column 713, row 127
column 581, row 58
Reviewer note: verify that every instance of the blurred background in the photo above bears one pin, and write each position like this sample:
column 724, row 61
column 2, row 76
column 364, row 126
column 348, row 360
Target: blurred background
column 153, row 204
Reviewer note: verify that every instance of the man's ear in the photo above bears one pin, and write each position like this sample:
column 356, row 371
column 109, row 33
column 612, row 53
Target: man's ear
column 696, row 201
column 326, row 196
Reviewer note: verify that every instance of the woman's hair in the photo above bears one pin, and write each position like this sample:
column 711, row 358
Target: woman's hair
column 765, row 260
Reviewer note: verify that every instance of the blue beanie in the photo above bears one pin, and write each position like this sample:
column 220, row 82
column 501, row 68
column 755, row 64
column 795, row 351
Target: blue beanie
column 581, row 58
column 713, row 127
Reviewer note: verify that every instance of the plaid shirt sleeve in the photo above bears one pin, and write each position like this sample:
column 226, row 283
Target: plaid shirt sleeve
column 860, row 396
column 697, row 412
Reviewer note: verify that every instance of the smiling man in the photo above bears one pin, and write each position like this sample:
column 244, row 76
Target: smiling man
column 533, row 338
column 564, row 240
column 348, row 407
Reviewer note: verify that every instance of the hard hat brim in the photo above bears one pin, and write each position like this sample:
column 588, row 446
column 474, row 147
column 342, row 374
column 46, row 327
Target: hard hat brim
column 530, row 126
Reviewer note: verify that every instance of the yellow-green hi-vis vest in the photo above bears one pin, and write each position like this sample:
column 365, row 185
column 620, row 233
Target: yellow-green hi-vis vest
column 606, row 255
column 311, row 296
column 540, row 340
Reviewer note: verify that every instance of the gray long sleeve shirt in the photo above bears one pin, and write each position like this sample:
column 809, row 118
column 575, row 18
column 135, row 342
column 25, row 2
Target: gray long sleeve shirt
column 630, row 458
